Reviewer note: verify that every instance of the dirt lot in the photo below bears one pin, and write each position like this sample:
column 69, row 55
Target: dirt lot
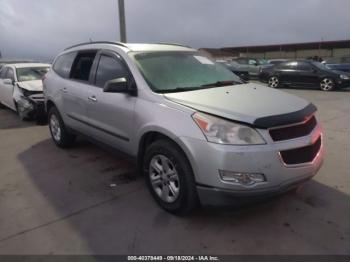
column 61, row 202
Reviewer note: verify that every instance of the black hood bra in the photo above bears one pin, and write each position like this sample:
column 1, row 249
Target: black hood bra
column 285, row 119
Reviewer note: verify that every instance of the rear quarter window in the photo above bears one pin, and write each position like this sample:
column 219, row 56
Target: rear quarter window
column 63, row 64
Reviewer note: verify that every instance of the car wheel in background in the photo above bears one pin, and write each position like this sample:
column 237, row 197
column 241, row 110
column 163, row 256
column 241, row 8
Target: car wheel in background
column 59, row 133
column 273, row 82
column 169, row 177
column 327, row 84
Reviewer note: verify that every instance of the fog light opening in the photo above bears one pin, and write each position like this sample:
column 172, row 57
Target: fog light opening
column 245, row 179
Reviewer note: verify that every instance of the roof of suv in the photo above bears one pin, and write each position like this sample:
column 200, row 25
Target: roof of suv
column 25, row 65
column 158, row 47
column 137, row 47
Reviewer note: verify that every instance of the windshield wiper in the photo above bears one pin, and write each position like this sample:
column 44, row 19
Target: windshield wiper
column 178, row 89
column 222, row 83
column 206, row 86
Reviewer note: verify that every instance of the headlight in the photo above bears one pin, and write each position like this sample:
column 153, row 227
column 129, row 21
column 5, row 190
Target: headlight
column 344, row 77
column 220, row 131
column 25, row 92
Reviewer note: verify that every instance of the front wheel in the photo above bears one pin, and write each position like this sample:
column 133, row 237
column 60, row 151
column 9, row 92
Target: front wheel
column 169, row 177
column 59, row 132
column 273, row 82
column 327, row 84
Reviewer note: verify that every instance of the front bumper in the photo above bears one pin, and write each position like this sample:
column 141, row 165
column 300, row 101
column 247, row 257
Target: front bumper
column 208, row 158
column 31, row 108
column 343, row 83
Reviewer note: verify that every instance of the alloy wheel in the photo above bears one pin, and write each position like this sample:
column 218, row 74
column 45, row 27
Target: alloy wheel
column 55, row 128
column 273, row 81
column 164, row 178
column 327, row 84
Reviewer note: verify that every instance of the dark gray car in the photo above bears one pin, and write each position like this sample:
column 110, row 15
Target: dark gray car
column 253, row 66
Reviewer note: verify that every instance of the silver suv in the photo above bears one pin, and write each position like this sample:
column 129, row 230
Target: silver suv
column 199, row 134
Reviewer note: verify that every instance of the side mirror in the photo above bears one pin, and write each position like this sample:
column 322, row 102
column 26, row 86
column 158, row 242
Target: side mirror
column 8, row 82
column 119, row 85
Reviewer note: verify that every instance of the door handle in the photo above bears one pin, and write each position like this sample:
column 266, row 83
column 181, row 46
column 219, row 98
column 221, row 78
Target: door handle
column 92, row 99
column 64, row 90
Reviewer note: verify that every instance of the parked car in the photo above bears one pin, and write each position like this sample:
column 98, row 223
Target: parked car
column 252, row 65
column 13, row 61
column 339, row 67
column 21, row 88
column 197, row 131
column 235, row 68
column 338, row 60
column 305, row 73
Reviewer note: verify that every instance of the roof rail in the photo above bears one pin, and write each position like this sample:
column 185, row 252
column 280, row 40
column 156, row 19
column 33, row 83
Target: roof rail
column 176, row 44
column 98, row 42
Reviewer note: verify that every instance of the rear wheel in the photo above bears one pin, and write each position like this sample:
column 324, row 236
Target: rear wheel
column 327, row 84
column 169, row 177
column 273, row 82
column 59, row 132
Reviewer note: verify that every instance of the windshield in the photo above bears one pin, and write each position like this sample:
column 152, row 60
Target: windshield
column 31, row 73
column 182, row 71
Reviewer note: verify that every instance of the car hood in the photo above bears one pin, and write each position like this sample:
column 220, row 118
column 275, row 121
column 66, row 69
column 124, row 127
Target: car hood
column 249, row 103
column 36, row 85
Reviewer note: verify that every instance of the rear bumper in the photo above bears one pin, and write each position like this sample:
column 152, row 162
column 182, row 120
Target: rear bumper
column 263, row 77
column 243, row 75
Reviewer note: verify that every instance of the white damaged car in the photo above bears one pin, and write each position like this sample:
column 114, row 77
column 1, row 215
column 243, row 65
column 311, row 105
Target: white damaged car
column 21, row 89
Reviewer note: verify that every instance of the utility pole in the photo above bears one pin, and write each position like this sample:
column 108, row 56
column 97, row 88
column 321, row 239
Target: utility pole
column 122, row 25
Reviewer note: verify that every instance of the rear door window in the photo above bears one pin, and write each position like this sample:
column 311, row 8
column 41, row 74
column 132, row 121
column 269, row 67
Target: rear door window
column 302, row 66
column 109, row 68
column 64, row 63
column 252, row 62
column 82, row 65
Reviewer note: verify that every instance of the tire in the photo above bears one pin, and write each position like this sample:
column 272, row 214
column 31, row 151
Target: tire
column 58, row 130
column 169, row 177
column 273, row 82
column 327, row 84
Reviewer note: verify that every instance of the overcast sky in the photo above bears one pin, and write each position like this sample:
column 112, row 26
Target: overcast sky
column 41, row 28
